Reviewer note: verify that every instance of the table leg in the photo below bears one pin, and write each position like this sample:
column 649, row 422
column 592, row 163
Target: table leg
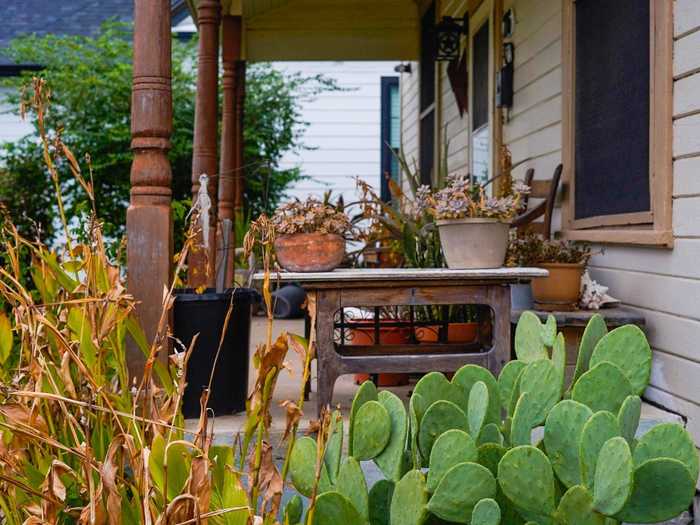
column 499, row 299
column 327, row 371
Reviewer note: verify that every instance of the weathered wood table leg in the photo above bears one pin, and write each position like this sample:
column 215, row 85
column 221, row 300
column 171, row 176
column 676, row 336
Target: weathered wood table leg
column 327, row 303
column 499, row 300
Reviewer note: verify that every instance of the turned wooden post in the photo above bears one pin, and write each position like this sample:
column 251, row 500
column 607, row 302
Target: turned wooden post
column 239, row 119
column 201, row 265
column 148, row 218
column 231, row 160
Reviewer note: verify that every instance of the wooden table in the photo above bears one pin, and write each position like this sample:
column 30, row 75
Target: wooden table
column 375, row 288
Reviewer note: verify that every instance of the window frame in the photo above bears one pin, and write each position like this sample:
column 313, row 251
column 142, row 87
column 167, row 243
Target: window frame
column 653, row 227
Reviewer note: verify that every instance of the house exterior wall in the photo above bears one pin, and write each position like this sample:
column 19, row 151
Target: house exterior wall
column 661, row 284
column 12, row 127
column 343, row 128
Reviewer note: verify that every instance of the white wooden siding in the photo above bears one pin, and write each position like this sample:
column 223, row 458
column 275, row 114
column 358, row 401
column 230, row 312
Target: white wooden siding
column 410, row 104
column 661, row 284
column 344, row 129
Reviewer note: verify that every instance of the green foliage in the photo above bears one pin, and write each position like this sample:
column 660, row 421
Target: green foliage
column 584, row 472
column 371, row 431
column 90, row 78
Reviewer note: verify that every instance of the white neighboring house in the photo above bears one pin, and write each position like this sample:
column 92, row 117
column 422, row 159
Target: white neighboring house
column 346, row 128
column 12, row 127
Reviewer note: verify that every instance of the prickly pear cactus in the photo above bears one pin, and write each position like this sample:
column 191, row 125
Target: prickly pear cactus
column 474, row 435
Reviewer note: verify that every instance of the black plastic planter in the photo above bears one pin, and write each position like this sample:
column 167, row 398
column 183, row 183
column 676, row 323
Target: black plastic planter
column 205, row 314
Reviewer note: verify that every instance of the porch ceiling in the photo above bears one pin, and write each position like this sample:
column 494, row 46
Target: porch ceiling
column 328, row 29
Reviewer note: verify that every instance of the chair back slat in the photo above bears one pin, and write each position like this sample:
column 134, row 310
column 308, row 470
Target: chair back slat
column 539, row 189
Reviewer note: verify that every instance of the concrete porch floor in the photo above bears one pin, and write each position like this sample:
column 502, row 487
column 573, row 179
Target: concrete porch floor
column 288, row 386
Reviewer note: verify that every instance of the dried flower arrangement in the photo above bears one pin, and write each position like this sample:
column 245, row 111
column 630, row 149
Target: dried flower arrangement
column 311, row 216
column 532, row 250
column 464, row 198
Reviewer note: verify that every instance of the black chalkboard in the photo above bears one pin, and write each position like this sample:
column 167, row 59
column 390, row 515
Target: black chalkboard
column 612, row 100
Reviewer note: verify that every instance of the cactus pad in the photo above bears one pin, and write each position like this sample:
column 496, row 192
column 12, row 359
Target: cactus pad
column 506, row 381
column 302, row 467
column 435, row 387
column 380, row 502
column 486, row 512
column 528, row 338
column 410, row 499
column 351, row 484
column 334, row 447
column 490, row 434
column 524, row 420
column 542, row 381
column 576, row 508
column 598, row 429
column 467, row 376
column 413, row 426
column 613, row 477
column 371, row 432
column 460, row 489
column 293, row 510
column 366, row 392
column 559, row 358
column 391, row 460
column 440, row 417
column 595, row 330
column 662, row 490
column 527, row 479
column 549, row 331
column 478, row 406
column 603, row 387
column 670, row 441
column 333, row 507
column 628, row 417
column 451, row 448
column 562, row 434
column 628, row 348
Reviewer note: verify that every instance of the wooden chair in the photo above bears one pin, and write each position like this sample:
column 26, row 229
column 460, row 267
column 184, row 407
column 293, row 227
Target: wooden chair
column 539, row 189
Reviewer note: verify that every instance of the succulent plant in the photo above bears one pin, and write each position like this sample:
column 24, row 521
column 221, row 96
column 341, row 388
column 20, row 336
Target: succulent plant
column 474, row 435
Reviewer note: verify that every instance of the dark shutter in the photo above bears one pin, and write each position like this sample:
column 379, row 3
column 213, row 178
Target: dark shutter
column 480, row 105
column 612, row 107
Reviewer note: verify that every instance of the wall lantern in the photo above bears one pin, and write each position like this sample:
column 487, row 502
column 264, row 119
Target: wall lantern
column 448, row 32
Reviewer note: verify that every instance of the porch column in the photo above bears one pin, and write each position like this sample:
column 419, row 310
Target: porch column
column 148, row 218
column 230, row 173
column 239, row 120
column 204, row 155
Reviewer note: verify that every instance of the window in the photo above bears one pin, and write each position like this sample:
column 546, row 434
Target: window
column 617, row 121
column 427, row 96
column 390, row 133
column 481, row 132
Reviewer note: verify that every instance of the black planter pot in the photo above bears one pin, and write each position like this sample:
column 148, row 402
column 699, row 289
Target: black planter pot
column 205, row 314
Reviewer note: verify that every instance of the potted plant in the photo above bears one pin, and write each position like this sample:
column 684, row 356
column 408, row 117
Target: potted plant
column 473, row 227
column 565, row 260
column 310, row 235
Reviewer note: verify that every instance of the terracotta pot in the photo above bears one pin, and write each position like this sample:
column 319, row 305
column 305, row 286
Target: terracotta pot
column 389, row 335
column 310, row 252
column 561, row 289
column 474, row 243
column 456, row 333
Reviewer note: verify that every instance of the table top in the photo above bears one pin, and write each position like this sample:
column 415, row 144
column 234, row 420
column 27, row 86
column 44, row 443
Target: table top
column 358, row 275
column 614, row 317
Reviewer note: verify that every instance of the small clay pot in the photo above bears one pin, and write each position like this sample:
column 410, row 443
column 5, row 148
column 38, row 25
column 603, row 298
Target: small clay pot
column 362, row 333
column 456, row 333
column 560, row 290
column 310, row 252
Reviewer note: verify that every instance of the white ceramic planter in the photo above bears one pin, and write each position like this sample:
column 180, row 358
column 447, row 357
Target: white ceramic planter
column 474, row 243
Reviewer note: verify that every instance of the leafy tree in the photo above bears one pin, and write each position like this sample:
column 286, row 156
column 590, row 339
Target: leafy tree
column 90, row 79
